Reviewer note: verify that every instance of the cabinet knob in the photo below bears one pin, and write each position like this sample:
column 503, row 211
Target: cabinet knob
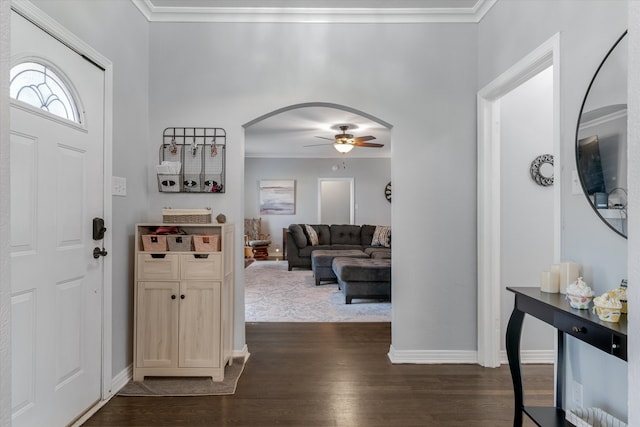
column 182, row 296
column 173, row 297
column 615, row 346
column 578, row 329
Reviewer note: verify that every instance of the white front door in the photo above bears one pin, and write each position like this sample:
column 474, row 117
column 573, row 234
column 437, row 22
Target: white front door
column 56, row 190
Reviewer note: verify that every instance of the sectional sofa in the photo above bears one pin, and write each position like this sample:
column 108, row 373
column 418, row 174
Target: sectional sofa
column 333, row 237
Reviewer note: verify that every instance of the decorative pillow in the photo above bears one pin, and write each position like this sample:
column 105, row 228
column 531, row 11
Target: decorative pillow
column 298, row 235
column 382, row 236
column 311, row 233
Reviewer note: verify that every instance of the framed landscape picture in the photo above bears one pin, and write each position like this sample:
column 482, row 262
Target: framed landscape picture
column 277, row 197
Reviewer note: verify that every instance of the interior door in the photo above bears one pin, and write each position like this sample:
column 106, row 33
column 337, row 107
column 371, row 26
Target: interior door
column 57, row 285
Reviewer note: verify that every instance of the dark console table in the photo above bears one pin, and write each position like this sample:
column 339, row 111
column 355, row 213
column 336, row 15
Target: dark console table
column 554, row 309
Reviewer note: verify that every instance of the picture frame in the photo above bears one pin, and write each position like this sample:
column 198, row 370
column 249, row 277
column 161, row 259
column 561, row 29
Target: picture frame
column 277, row 197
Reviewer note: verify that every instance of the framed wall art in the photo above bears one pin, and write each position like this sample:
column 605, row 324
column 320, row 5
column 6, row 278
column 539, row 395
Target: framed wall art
column 277, row 197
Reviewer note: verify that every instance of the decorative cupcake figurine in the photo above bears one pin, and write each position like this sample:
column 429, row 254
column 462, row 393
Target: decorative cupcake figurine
column 579, row 294
column 621, row 294
column 607, row 307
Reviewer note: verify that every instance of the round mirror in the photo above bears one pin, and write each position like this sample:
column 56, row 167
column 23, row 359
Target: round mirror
column 601, row 139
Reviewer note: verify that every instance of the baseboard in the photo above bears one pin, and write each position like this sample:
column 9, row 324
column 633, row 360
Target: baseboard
column 242, row 353
column 531, row 357
column 426, row 357
column 121, row 379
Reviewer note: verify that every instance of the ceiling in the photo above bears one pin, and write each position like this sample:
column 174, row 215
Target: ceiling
column 287, row 133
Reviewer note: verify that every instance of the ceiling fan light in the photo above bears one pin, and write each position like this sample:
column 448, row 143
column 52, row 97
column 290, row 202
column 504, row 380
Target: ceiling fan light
column 343, row 148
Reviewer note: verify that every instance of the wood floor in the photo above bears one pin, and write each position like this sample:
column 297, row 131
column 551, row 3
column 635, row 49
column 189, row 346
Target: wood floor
column 338, row 374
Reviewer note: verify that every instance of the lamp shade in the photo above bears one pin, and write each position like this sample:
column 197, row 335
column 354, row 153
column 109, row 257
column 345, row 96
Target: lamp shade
column 343, row 148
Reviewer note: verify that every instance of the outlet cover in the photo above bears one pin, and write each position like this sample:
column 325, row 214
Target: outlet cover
column 118, row 186
column 577, row 394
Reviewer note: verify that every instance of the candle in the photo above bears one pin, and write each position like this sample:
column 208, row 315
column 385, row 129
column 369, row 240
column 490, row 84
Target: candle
column 549, row 282
column 569, row 273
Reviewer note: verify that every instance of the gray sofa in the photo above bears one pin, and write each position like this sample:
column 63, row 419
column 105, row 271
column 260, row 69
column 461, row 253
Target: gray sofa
column 331, row 237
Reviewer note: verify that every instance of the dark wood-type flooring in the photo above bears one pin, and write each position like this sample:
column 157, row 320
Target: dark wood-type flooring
column 338, row 374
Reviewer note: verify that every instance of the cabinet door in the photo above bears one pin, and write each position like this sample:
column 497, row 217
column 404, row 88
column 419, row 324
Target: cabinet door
column 200, row 324
column 157, row 324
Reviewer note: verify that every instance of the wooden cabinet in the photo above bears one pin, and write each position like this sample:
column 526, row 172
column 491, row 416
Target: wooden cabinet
column 183, row 323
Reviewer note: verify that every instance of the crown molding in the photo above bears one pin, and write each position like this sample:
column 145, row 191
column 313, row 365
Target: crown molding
column 313, row 15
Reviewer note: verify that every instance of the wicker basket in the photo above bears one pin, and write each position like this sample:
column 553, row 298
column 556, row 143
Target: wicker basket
column 592, row 417
column 208, row 243
column 179, row 243
column 154, row 243
column 186, row 216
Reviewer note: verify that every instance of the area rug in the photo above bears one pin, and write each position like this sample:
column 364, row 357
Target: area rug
column 273, row 294
column 187, row 386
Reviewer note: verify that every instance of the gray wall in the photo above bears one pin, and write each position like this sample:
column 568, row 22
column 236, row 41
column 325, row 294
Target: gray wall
column 585, row 239
column 117, row 30
column 370, row 177
column 423, row 83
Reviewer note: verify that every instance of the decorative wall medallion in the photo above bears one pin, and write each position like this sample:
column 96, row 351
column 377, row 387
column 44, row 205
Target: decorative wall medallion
column 542, row 170
column 387, row 192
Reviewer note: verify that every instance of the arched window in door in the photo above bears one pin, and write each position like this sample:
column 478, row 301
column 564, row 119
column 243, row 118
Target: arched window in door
column 39, row 86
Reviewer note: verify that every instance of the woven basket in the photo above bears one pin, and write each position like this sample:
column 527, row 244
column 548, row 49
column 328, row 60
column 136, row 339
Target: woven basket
column 210, row 243
column 153, row 243
column 186, row 216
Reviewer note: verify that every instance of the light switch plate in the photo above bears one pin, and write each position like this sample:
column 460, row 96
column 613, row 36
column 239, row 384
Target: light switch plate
column 118, row 186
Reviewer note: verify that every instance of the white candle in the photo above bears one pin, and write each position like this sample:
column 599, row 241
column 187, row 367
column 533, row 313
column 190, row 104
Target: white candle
column 569, row 273
column 549, row 282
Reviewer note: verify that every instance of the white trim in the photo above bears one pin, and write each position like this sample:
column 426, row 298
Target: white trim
column 242, row 353
column 460, row 357
column 39, row 18
column 488, row 215
column 531, row 357
column 340, row 15
column 603, row 119
column 427, row 357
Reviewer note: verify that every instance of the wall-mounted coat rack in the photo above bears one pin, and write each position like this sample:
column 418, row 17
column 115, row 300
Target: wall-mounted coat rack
column 192, row 160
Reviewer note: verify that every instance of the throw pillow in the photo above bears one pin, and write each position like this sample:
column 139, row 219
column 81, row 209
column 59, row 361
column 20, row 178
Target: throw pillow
column 382, row 236
column 311, row 233
column 298, row 235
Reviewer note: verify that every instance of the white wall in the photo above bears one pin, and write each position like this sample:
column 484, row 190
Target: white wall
column 585, row 239
column 422, row 81
column 527, row 211
column 117, row 30
column 370, row 177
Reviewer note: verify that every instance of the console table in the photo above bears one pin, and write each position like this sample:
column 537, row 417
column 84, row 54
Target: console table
column 555, row 310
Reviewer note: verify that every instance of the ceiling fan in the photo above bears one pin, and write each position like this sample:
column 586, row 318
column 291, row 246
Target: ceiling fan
column 344, row 142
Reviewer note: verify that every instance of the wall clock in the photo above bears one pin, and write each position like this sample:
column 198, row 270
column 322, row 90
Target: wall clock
column 387, row 192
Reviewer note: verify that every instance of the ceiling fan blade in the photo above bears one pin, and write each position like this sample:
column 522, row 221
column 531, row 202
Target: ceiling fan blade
column 368, row 144
column 364, row 138
column 322, row 137
column 317, row 145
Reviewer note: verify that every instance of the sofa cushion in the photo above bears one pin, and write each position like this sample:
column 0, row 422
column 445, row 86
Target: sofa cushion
column 382, row 237
column 311, row 235
column 324, row 234
column 345, row 234
column 298, row 235
column 366, row 234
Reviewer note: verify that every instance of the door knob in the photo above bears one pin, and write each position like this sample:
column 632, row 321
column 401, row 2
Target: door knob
column 97, row 252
